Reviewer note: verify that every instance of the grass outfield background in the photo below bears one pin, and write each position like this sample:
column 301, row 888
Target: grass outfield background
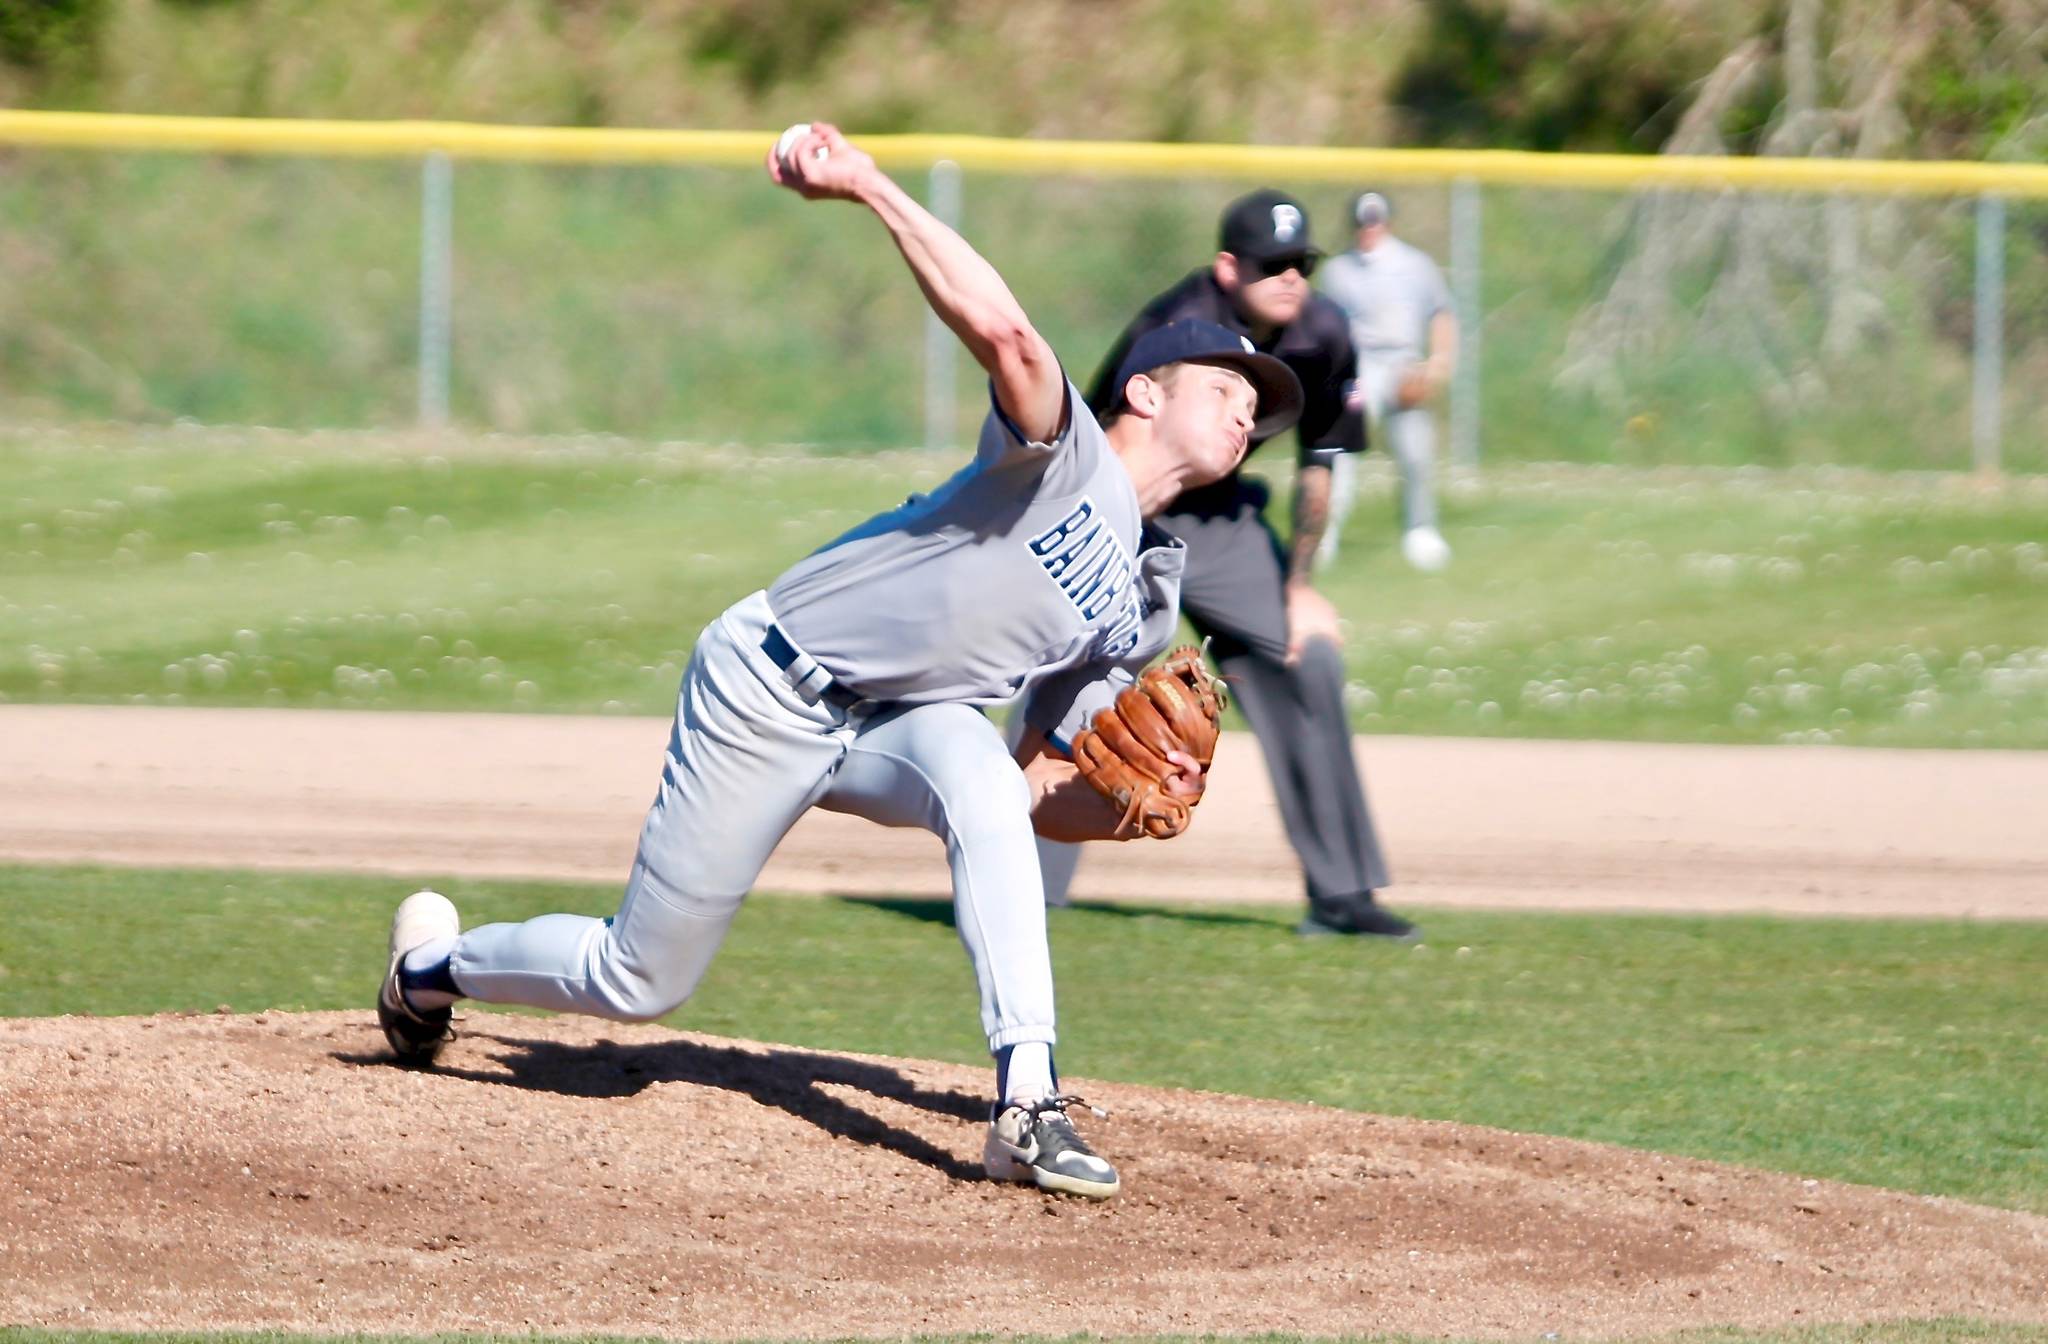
column 1893, row 1053
column 249, row 568
column 703, row 303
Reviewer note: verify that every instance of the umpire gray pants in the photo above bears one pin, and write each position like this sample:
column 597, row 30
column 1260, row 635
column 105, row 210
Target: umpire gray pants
column 1234, row 592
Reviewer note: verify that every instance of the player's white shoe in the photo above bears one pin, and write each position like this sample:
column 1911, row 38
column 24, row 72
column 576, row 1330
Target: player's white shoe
column 1035, row 1141
column 1425, row 549
column 416, row 1037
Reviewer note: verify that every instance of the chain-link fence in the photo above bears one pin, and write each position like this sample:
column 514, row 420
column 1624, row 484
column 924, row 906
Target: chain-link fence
column 695, row 301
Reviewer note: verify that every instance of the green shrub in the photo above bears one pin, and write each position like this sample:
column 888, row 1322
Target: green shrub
column 1580, row 77
column 51, row 35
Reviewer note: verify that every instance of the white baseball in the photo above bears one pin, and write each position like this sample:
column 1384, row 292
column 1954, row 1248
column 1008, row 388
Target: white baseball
column 789, row 138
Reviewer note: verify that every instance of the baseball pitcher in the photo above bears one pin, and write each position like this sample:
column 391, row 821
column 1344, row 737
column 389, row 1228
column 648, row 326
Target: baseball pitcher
column 857, row 682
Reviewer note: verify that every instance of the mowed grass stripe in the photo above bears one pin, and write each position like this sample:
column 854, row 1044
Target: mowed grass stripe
column 573, row 575
column 1896, row 1053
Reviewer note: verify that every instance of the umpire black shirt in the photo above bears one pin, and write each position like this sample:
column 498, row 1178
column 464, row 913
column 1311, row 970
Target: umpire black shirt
column 1316, row 345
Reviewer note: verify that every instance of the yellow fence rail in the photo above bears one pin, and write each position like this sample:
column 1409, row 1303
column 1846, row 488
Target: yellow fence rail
column 547, row 144
column 436, row 146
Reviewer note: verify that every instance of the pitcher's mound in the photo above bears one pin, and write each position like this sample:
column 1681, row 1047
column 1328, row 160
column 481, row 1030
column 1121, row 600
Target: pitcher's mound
column 566, row 1175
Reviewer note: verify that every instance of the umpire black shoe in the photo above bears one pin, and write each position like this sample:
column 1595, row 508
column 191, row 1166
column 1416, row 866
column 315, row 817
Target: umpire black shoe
column 1359, row 916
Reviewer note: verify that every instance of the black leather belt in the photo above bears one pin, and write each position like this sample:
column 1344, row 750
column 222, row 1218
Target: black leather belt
column 782, row 653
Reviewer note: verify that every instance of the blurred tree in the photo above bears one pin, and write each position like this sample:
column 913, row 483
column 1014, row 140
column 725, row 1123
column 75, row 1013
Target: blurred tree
column 51, row 35
column 1559, row 76
column 771, row 42
column 1790, row 285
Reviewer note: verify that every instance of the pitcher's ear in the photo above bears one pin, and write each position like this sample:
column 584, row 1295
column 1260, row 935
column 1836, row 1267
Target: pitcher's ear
column 1143, row 394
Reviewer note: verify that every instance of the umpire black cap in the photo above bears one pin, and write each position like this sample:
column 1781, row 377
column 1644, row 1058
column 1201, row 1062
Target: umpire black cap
column 1198, row 342
column 1266, row 224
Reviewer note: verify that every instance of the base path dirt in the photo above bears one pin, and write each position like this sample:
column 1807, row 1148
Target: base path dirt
column 1561, row 825
column 565, row 1175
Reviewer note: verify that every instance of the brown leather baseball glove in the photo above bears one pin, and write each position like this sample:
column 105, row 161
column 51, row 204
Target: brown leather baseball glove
column 1175, row 706
column 1414, row 388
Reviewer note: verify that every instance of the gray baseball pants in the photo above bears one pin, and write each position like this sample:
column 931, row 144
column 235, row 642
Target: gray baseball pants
column 1233, row 591
column 1410, row 435
column 748, row 754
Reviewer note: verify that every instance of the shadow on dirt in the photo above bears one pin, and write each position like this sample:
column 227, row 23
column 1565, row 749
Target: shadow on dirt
column 790, row 1080
column 941, row 912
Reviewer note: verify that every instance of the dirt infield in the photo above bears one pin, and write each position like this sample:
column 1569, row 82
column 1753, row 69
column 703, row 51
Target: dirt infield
column 1559, row 825
column 204, row 1172
column 575, row 1176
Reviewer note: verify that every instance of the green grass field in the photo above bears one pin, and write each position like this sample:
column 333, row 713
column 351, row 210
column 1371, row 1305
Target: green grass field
column 1902, row 1054
column 251, row 568
column 701, row 302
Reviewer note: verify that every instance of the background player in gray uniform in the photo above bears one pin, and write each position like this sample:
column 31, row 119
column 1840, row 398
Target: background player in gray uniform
column 856, row 683
column 1401, row 321
column 1276, row 637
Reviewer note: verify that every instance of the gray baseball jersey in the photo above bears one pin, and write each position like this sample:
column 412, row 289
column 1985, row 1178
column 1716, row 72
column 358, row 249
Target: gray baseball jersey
column 1030, row 572
column 1390, row 295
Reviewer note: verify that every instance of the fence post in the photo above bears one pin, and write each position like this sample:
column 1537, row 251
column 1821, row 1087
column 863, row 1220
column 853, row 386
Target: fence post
column 437, row 285
column 939, row 346
column 1988, row 349
column 1465, row 249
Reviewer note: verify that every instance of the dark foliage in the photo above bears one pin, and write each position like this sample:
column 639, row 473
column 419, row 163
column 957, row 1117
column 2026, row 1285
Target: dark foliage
column 1594, row 77
column 50, row 35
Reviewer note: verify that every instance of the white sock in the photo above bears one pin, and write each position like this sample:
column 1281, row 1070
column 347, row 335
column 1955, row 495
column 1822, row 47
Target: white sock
column 1028, row 1074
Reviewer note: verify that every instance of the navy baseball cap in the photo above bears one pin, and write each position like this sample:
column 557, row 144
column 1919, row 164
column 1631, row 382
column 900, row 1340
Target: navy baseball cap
column 1198, row 342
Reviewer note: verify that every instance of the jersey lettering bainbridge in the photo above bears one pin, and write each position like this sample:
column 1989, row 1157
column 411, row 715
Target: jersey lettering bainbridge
column 1083, row 555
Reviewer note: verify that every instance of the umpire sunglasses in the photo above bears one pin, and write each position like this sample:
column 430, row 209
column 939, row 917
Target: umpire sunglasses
column 1265, row 268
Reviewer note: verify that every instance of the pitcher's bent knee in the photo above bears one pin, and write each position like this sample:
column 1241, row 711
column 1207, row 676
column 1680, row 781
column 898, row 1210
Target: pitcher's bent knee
column 997, row 808
column 626, row 988
column 626, row 994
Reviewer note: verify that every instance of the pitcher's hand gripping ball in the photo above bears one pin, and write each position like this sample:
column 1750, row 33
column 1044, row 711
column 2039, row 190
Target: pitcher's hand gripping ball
column 1175, row 706
column 785, row 146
